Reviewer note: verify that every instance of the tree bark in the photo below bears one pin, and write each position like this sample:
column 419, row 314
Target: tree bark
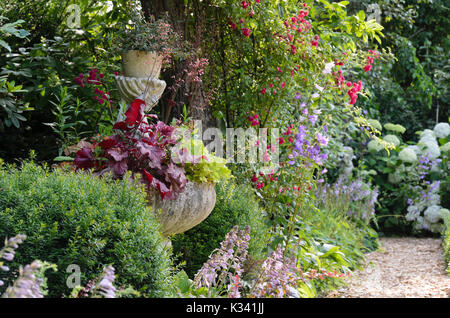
column 197, row 104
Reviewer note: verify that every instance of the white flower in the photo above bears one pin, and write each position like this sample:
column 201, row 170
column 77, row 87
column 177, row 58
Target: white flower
column 442, row 130
column 374, row 146
column 427, row 132
column 319, row 88
column 444, row 213
column 416, row 149
column 429, row 146
column 328, row 67
column 395, row 128
column 407, row 155
column 428, row 139
column 375, row 124
column 432, row 150
column 431, row 214
column 392, row 139
column 419, row 224
column 446, row 147
column 436, row 227
column 395, row 178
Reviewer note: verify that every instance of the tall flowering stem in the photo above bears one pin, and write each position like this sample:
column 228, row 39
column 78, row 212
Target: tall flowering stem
column 224, row 267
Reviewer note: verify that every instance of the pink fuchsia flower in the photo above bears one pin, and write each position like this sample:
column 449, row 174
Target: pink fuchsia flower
column 315, row 42
column 263, row 91
column 260, row 185
column 254, row 178
column 283, row 85
column 246, row 31
column 367, row 68
column 293, row 49
column 245, row 4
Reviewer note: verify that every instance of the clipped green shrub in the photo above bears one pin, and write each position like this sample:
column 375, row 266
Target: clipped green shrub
column 444, row 189
column 75, row 218
column 446, row 241
column 235, row 205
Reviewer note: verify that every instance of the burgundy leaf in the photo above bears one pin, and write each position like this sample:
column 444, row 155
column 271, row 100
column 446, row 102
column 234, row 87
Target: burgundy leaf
column 108, row 143
column 154, row 153
column 121, row 125
column 116, row 155
column 153, row 182
column 135, row 112
column 119, row 168
column 176, row 177
column 84, row 159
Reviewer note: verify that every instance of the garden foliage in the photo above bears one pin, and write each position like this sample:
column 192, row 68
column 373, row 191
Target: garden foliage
column 72, row 218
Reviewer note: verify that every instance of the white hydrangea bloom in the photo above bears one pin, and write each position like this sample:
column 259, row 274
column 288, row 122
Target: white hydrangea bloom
column 442, row 130
column 375, row 124
column 375, row 146
column 395, row 177
column 432, row 150
column 429, row 146
column 444, row 213
column 428, row 139
column 396, row 128
column 446, row 147
column 434, row 198
column 419, row 224
column 407, row 155
column 431, row 214
column 392, row 139
column 436, row 227
column 427, row 132
column 416, row 149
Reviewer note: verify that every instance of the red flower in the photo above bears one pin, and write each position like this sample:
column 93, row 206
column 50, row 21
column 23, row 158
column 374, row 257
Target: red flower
column 246, row 32
column 263, row 91
column 245, row 4
column 293, row 49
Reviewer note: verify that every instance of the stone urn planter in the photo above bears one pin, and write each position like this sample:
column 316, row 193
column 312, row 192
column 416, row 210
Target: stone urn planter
column 141, row 64
column 189, row 209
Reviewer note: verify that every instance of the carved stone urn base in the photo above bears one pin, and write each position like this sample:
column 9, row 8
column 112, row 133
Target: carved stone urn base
column 189, row 209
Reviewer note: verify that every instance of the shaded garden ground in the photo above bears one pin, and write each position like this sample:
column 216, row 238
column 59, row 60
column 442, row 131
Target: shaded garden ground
column 402, row 267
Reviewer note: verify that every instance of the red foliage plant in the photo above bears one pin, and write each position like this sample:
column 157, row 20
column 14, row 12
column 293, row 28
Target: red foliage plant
column 144, row 146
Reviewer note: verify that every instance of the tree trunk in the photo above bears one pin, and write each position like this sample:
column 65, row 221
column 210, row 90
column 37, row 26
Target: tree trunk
column 198, row 106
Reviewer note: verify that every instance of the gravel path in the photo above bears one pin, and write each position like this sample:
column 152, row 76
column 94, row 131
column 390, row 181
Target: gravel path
column 401, row 268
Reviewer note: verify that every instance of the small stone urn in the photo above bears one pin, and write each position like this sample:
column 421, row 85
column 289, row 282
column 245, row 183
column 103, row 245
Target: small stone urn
column 141, row 70
column 189, row 209
column 141, row 64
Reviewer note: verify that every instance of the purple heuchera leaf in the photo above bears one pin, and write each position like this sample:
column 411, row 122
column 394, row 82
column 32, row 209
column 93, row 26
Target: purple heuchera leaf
column 119, row 168
column 116, row 155
column 84, row 159
column 176, row 177
column 154, row 153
